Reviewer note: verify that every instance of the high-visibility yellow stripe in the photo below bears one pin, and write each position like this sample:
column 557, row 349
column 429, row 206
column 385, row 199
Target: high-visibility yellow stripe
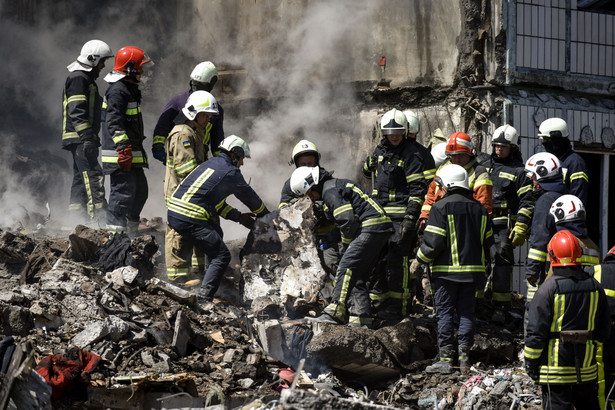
column 436, row 230
column 453, row 240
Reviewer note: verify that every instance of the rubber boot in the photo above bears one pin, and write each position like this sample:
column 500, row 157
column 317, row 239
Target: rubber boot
column 464, row 358
column 445, row 364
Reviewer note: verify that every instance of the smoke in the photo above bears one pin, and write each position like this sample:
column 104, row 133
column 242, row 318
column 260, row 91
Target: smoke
column 298, row 61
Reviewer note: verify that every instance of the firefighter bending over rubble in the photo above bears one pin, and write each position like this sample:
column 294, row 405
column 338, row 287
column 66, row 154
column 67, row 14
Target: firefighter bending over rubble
column 195, row 206
column 456, row 241
column 185, row 151
column 81, row 123
column 364, row 227
column 305, row 154
column 123, row 154
column 569, row 320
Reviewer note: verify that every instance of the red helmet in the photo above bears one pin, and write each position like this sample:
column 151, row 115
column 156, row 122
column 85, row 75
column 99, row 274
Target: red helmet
column 459, row 143
column 564, row 249
column 129, row 60
column 610, row 255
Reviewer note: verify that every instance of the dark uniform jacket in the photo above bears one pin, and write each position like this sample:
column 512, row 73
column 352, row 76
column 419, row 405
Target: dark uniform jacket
column 429, row 165
column 457, row 237
column 543, row 226
column 81, row 109
column 568, row 300
column 575, row 175
column 512, row 191
column 605, row 275
column 352, row 209
column 123, row 125
column 172, row 115
column 202, row 195
column 399, row 185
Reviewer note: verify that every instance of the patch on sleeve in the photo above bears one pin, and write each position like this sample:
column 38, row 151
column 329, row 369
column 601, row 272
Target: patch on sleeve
column 186, row 144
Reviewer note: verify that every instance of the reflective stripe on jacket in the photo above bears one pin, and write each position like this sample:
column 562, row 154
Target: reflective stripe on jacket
column 81, row 106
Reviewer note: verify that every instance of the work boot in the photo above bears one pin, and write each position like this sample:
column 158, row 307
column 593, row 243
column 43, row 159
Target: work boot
column 205, row 304
column 445, row 364
column 464, row 358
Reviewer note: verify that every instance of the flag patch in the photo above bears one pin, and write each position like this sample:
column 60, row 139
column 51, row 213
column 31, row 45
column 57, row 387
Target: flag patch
column 186, row 144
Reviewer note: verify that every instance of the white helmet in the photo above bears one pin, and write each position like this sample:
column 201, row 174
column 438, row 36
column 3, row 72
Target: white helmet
column 204, row 72
column 567, row 208
column 91, row 53
column 304, row 147
column 414, row 126
column 439, row 154
column 451, row 176
column 236, row 145
column 394, row 122
column 553, row 127
column 543, row 165
column 200, row 101
column 505, row 135
column 304, row 178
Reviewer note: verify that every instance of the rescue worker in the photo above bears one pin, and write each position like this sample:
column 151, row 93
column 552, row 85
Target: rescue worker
column 305, row 154
column 200, row 199
column 512, row 202
column 364, row 227
column 81, row 108
column 545, row 172
column 569, row 214
column 568, row 320
column 203, row 77
column 123, row 155
column 397, row 169
column 461, row 151
column 554, row 134
column 605, row 356
column 186, row 151
column 414, row 126
column 456, row 241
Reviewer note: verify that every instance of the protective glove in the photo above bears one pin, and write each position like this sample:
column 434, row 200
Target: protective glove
column 532, row 279
column 371, row 162
column 519, row 234
column 533, row 371
column 159, row 153
column 422, row 225
column 90, row 149
column 407, row 228
column 247, row 220
column 124, row 158
column 415, row 267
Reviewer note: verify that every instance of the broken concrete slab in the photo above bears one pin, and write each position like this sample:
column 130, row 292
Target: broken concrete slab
column 15, row 247
column 92, row 333
column 310, row 400
column 85, row 242
column 174, row 292
column 181, row 334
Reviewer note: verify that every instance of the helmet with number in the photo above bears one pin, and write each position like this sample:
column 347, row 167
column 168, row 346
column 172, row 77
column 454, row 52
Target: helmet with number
column 439, row 154
column 552, row 128
column 543, row 165
column 505, row 135
column 91, row 54
column 304, row 147
column 200, row 101
column 303, row 179
column 414, row 126
column 204, row 76
column 460, row 143
column 567, row 208
column 452, row 176
column 394, row 122
column 129, row 60
column 564, row 249
column 235, row 145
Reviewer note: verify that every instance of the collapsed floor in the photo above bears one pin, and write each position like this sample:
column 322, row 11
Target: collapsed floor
column 159, row 351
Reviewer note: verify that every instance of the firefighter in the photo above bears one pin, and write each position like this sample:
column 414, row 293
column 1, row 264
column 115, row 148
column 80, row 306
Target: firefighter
column 305, row 154
column 203, row 77
column 200, row 199
column 456, row 241
column 82, row 105
column 605, row 275
column 568, row 320
column 429, row 164
column 123, row 155
column 569, row 214
column 461, row 151
column 511, row 203
column 397, row 169
column 545, row 172
column 186, row 151
column 554, row 134
column 364, row 227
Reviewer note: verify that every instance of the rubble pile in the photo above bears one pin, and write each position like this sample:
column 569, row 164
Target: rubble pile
column 159, row 350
